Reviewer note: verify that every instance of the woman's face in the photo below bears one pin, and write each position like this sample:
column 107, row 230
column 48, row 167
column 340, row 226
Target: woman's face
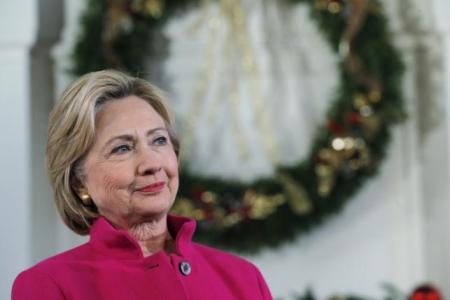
column 131, row 171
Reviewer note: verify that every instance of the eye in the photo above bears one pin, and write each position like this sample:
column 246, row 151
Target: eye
column 161, row 140
column 121, row 149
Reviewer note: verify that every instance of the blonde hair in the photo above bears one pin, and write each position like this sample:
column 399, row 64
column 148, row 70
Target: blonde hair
column 71, row 133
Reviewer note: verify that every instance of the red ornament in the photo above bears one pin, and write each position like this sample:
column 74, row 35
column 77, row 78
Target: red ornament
column 335, row 128
column 425, row 292
column 354, row 118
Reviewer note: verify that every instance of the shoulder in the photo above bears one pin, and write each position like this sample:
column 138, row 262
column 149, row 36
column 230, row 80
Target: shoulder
column 225, row 257
column 41, row 280
column 236, row 270
column 220, row 258
column 35, row 283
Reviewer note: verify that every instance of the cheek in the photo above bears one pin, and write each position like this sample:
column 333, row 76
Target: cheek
column 111, row 184
column 172, row 168
column 106, row 182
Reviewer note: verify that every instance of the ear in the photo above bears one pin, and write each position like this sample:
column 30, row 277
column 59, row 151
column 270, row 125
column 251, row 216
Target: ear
column 77, row 186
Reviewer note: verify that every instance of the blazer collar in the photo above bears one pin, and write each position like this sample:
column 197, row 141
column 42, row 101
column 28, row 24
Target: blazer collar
column 119, row 244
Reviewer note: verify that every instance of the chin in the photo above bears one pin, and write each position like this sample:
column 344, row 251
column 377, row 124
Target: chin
column 153, row 210
column 153, row 205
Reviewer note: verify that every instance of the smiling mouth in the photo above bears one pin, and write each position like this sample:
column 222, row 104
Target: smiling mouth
column 153, row 188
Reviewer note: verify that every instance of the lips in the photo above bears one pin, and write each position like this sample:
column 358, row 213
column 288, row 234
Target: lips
column 153, row 188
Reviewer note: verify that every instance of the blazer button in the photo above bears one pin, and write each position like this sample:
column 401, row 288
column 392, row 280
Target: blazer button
column 185, row 268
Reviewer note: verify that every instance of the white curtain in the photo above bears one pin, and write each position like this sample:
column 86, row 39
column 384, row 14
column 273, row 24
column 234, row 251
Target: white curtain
column 251, row 81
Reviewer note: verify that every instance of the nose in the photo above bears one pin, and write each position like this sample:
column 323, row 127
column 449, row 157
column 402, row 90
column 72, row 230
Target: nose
column 148, row 162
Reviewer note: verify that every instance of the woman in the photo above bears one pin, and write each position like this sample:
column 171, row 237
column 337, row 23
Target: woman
column 112, row 158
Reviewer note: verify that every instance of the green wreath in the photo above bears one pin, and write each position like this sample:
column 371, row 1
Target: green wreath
column 347, row 149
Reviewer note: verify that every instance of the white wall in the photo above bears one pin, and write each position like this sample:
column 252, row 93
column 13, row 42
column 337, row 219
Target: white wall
column 436, row 159
column 393, row 231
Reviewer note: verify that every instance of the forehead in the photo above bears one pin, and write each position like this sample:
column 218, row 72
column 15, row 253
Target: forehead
column 127, row 114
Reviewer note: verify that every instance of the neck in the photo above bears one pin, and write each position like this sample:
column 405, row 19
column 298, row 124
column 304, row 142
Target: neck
column 152, row 236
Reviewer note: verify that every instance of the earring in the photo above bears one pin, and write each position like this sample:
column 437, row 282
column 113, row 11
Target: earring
column 85, row 198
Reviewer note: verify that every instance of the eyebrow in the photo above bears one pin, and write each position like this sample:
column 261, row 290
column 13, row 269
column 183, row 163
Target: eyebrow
column 129, row 137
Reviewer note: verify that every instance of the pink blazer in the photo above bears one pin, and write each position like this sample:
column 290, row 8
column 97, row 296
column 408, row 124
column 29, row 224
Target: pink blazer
column 111, row 266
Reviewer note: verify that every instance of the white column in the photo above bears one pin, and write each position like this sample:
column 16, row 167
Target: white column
column 44, row 216
column 15, row 179
column 27, row 28
column 442, row 17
